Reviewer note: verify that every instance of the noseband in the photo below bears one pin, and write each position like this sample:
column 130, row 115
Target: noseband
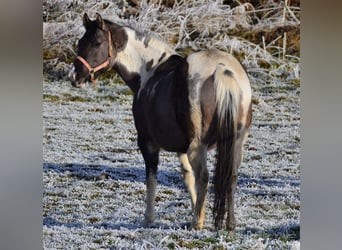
column 93, row 70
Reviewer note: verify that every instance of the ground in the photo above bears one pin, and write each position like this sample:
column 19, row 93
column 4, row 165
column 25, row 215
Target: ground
column 94, row 176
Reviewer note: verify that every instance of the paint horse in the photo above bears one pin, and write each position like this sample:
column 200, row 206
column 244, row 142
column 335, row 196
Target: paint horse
column 184, row 105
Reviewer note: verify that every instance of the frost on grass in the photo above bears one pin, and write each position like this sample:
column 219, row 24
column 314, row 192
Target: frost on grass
column 93, row 172
column 94, row 177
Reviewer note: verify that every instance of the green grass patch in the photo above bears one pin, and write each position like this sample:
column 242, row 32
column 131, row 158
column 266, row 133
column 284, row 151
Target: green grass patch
column 51, row 98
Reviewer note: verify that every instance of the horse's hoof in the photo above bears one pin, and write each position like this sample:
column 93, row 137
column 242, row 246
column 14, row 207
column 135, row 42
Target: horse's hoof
column 186, row 225
column 196, row 226
column 147, row 223
column 230, row 227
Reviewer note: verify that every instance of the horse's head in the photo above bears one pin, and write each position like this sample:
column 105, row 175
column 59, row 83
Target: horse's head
column 96, row 50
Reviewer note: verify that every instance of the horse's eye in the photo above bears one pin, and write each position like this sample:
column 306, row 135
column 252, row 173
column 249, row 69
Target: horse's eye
column 96, row 44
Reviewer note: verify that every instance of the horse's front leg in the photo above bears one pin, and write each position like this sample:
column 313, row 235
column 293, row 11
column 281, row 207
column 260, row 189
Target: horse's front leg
column 151, row 157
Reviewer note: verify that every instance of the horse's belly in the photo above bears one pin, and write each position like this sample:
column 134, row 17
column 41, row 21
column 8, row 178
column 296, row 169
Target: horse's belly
column 170, row 137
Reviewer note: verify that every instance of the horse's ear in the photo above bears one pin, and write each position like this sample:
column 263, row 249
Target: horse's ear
column 86, row 20
column 99, row 21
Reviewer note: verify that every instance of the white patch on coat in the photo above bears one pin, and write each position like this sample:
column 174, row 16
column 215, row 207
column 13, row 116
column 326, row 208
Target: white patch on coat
column 136, row 54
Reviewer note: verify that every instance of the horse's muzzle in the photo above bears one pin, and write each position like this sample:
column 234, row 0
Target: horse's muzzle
column 72, row 77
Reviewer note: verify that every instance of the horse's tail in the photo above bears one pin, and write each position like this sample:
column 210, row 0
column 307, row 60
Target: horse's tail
column 227, row 103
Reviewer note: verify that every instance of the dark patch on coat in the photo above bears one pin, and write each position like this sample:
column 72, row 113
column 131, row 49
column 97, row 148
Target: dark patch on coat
column 161, row 58
column 147, row 41
column 249, row 116
column 140, row 36
column 162, row 109
column 239, row 118
column 149, row 65
column 228, row 73
column 209, row 114
column 171, row 64
column 118, row 35
column 181, row 93
column 132, row 79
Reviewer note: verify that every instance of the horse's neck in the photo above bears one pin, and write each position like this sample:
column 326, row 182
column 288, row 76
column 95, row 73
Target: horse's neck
column 142, row 55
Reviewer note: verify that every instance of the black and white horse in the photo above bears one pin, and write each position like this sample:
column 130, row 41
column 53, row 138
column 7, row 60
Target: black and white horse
column 184, row 105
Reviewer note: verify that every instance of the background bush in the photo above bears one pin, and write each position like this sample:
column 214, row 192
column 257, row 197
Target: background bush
column 263, row 35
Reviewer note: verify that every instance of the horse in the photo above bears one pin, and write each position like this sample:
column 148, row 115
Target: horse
column 187, row 105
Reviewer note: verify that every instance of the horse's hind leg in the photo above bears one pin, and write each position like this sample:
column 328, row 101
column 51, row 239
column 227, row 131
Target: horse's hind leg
column 232, row 184
column 188, row 177
column 151, row 157
column 198, row 158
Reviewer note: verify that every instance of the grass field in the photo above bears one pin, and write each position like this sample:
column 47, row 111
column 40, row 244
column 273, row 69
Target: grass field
column 94, row 175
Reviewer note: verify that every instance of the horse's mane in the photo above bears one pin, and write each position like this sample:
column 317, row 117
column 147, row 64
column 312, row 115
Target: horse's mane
column 144, row 34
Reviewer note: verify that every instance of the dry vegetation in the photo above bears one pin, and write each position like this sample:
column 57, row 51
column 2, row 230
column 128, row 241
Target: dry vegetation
column 264, row 35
